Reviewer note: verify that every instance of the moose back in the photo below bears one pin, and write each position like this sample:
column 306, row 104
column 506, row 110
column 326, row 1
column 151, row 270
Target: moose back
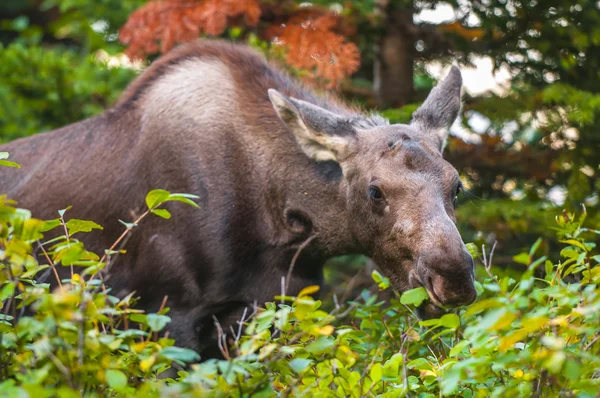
column 276, row 168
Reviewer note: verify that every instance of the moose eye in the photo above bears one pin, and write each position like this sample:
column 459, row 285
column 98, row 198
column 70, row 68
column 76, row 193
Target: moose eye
column 375, row 193
column 459, row 189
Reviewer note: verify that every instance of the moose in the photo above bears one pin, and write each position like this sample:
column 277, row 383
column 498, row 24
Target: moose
column 279, row 170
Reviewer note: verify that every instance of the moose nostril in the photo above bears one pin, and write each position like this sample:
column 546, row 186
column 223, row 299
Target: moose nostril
column 450, row 293
column 430, row 287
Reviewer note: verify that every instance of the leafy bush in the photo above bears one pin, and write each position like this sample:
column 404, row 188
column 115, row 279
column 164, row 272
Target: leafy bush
column 43, row 89
column 534, row 335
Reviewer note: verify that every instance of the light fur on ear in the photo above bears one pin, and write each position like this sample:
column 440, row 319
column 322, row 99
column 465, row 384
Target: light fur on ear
column 321, row 134
column 440, row 109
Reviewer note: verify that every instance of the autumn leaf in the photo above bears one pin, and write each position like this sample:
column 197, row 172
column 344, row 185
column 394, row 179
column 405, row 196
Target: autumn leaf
column 161, row 24
column 311, row 36
column 313, row 45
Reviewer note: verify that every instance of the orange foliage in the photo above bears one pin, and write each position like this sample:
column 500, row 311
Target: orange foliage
column 160, row 24
column 309, row 36
column 314, row 45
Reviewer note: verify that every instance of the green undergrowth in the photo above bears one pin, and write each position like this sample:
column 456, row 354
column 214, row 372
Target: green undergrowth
column 537, row 334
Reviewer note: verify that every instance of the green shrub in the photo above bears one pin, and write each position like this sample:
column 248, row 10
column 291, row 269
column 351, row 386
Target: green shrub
column 44, row 89
column 537, row 334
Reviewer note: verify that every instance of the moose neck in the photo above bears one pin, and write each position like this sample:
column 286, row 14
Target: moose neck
column 311, row 201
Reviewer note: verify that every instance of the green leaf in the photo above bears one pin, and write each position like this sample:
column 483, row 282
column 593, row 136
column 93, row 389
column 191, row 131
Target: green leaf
column 185, row 198
column 381, row 280
column 157, row 322
column 7, row 291
column 319, row 345
column 473, row 250
column 74, row 225
column 50, row 224
column 575, row 243
column 299, row 364
column 8, row 163
column 535, row 246
column 156, row 197
column 450, row 382
column 74, row 252
column 414, row 296
column 451, row 321
column 180, row 354
column 555, row 361
column 430, row 322
column 116, row 379
column 458, row 348
column 522, row 258
column 391, row 368
column 572, row 369
column 164, row 213
column 376, row 372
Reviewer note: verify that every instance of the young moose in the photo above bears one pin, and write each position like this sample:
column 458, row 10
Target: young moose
column 275, row 166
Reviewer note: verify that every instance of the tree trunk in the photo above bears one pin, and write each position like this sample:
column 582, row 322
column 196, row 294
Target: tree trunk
column 394, row 62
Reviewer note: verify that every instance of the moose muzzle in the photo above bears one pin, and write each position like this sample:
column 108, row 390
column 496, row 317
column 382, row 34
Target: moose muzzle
column 448, row 276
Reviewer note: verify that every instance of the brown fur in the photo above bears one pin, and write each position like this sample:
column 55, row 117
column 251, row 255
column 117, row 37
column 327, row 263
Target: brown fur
column 215, row 134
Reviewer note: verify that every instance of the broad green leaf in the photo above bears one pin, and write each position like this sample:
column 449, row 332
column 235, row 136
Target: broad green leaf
column 414, row 296
column 451, row 321
column 180, row 354
column 575, row 243
column 116, row 379
column 50, row 224
column 7, row 291
column 458, row 348
column 157, row 322
column 319, row 345
column 450, row 382
column 522, row 258
column 391, row 367
column 74, row 225
column 156, row 197
column 376, row 372
column 298, row 365
column 572, row 369
column 555, row 361
column 164, row 213
column 504, row 320
column 483, row 305
column 430, row 322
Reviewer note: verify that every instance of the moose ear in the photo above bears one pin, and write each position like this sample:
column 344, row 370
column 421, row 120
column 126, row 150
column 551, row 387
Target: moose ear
column 321, row 134
column 440, row 109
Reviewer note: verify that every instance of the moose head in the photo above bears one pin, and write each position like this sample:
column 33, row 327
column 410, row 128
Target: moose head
column 400, row 193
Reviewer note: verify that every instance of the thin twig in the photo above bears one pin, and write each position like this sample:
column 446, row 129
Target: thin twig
column 62, row 221
column 221, row 339
column 241, row 325
column 295, row 258
column 588, row 346
column 52, row 265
